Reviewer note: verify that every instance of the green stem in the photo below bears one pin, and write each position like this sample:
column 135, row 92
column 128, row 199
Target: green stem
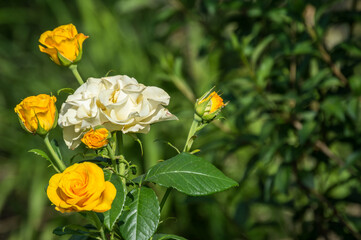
column 121, row 165
column 191, row 133
column 120, row 142
column 164, row 199
column 98, row 224
column 112, row 157
column 60, row 164
column 194, row 128
column 74, row 69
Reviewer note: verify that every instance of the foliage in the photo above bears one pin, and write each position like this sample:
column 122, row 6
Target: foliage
column 289, row 134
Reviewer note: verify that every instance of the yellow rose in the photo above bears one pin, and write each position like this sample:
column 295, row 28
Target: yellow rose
column 95, row 139
column 81, row 187
column 209, row 106
column 63, row 44
column 37, row 114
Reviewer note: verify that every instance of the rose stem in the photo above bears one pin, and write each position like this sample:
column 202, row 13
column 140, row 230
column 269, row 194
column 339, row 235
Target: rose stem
column 112, row 157
column 187, row 147
column 74, row 69
column 164, row 199
column 59, row 162
column 121, row 166
column 191, row 133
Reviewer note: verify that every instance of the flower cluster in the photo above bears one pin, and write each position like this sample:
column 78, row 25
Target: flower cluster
column 97, row 108
column 96, row 114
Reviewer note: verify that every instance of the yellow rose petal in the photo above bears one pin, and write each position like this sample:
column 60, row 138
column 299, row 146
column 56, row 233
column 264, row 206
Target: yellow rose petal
column 107, row 198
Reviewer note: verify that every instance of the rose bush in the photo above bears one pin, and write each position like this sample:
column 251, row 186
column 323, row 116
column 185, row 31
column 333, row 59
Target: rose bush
column 96, row 138
column 81, row 187
column 118, row 103
column 63, row 44
column 37, row 114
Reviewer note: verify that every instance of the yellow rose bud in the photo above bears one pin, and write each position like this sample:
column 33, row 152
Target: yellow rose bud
column 209, row 106
column 81, row 187
column 37, row 114
column 63, row 44
column 95, row 139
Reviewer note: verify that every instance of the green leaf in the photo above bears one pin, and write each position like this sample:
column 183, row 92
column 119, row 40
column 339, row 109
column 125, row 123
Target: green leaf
column 303, row 48
column 189, row 174
column 72, row 229
column 306, row 131
column 40, row 153
column 264, row 71
column 260, row 48
column 139, row 179
column 66, row 90
column 281, row 181
column 111, row 216
column 355, row 84
column 141, row 221
column 161, row 236
column 351, row 159
column 334, row 106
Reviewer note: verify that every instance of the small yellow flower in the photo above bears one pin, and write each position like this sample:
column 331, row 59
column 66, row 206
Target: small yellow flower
column 63, row 44
column 81, row 187
column 95, row 139
column 37, row 114
column 209, row 106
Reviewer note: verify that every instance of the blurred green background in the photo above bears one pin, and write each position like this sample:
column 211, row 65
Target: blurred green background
column 290, row 134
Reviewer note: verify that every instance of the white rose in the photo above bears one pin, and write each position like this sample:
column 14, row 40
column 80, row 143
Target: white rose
column 117, row 102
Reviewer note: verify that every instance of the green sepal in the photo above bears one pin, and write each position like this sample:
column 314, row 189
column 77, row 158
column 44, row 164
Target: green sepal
column 80, row 54
column 55, row 118
column 23, row 125
column 66, row 90
column 63, row 60
column 40, row 130
column 208, row 117
column 201, row 108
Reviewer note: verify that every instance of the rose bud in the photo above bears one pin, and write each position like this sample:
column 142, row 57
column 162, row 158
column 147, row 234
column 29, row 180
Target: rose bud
column 96, row 138
column 209, row 106
column 63, row 44
column 37, row 114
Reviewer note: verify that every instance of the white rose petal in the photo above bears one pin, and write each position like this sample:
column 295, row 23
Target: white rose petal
column 119, row 103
